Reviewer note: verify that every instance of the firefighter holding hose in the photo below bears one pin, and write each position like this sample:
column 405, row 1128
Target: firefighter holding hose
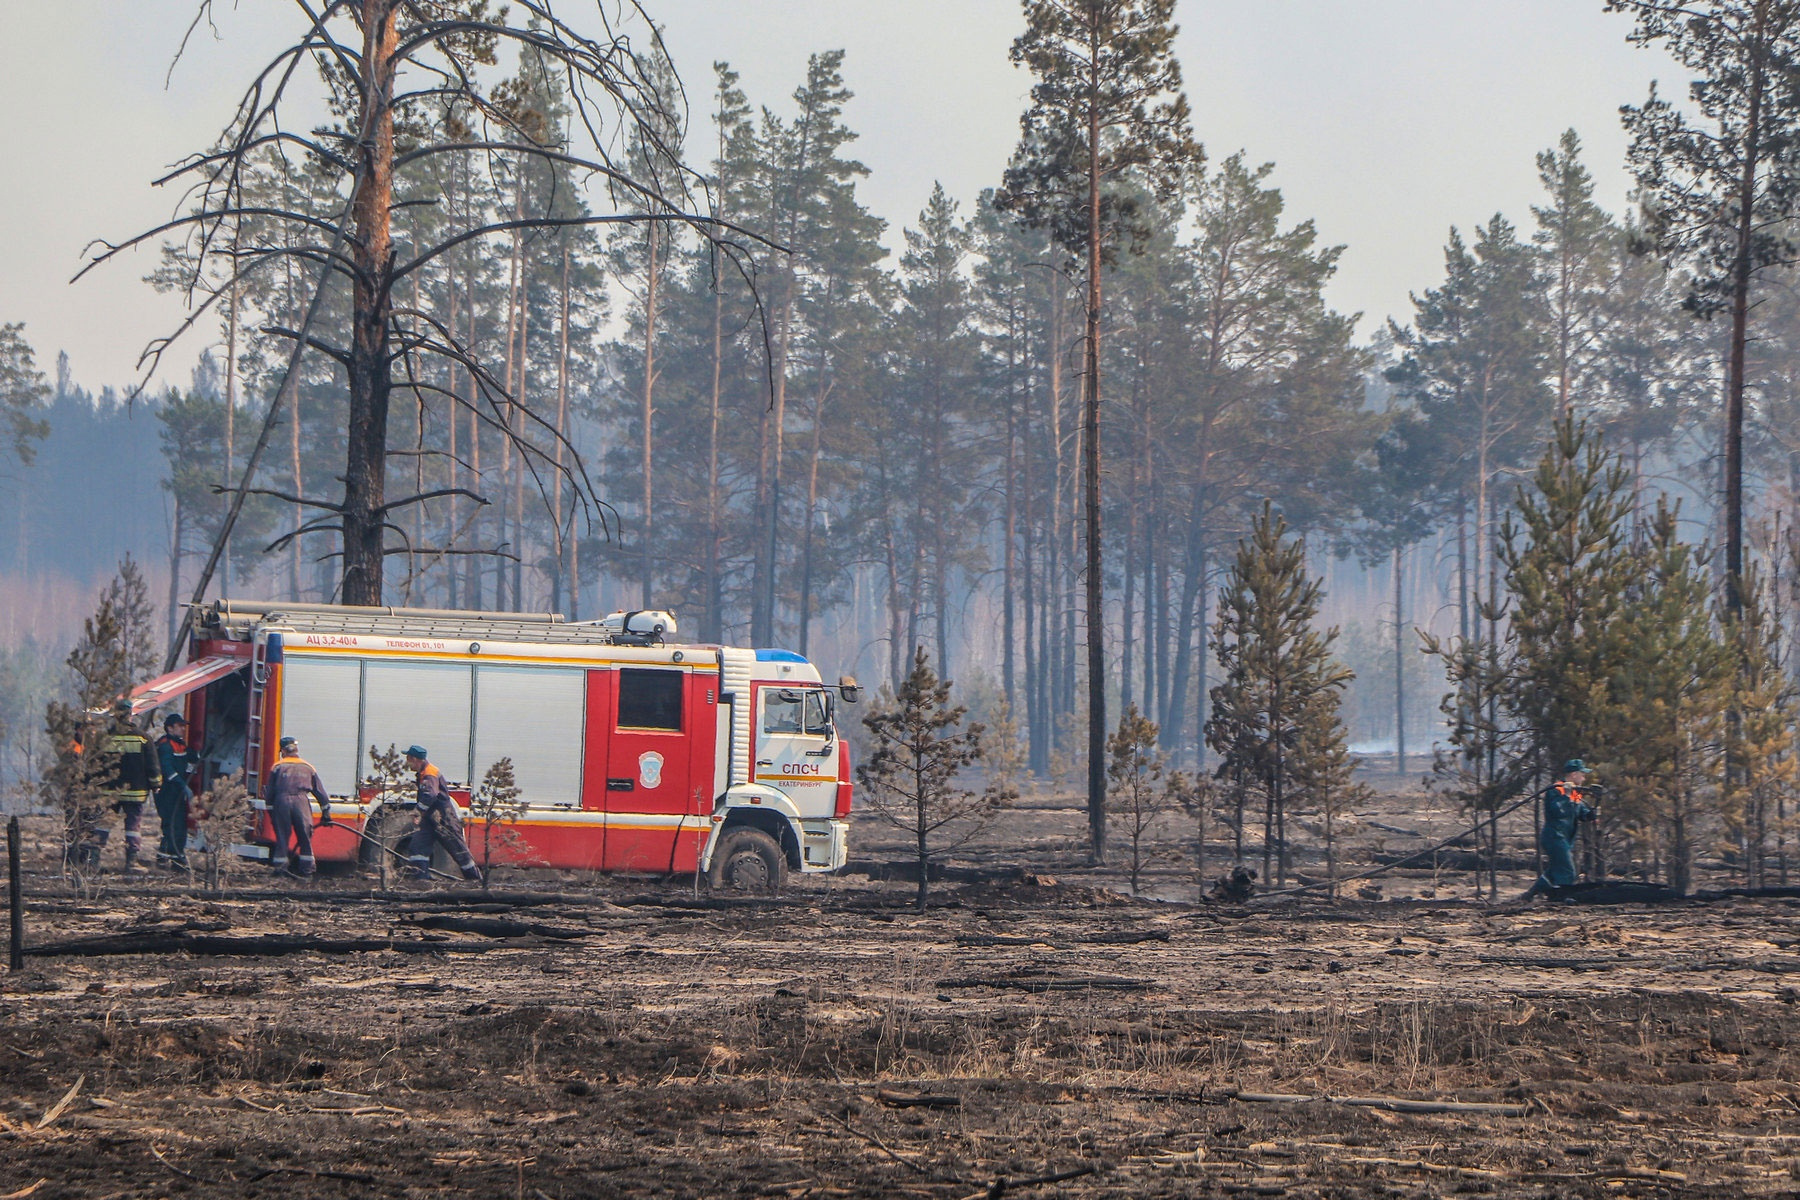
column 439, row 822
column 1564, row 812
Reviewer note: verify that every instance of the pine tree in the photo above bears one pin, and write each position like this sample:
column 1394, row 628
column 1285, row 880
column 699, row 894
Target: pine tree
column 1274, row 723
column 1575, row 237
column 1565, row 553
column 1720, row 195
column 22, row 392
column 116, row 650
column 1256, row 350
column 921, row 747
column 1134, row 771
column 1473, row 367
column 1107, row 113
column 497, row 804
column 1670, row 682
column 1761, row 741
column 360, row 268
column 1325, row 771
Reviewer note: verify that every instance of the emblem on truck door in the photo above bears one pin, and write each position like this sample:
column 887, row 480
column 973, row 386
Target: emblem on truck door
column 650, row 765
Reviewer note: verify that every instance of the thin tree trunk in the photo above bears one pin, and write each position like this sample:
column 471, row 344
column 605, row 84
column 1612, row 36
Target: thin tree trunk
column 516, row 420
column 1399, row 668
column 175, row 557
column 1462, row 568
column 227, row 577
column 714, row 626
column 1037, row 752
column 476, row 388
column 1008, row 554
column 453, row 411
column 646, row 583
column 1741, row 270
column 812, row 504
column 501, row 603
column 562, row 433
column 1096, row 616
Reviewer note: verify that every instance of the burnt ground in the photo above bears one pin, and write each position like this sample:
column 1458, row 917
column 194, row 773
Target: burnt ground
column 629, row 1039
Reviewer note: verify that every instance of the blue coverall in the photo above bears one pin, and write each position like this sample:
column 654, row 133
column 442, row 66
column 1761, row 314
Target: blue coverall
column 1563, row 811
column 439, row 824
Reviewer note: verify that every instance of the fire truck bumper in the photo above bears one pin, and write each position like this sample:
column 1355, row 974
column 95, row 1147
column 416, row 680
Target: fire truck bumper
column 823, row 845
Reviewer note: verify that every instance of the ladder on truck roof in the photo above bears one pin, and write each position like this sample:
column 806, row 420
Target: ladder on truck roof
column 241, row 620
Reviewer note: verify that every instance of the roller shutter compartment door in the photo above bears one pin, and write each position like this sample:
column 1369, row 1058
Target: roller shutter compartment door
column 534, row 716
column 423, row 703
column 319, row 707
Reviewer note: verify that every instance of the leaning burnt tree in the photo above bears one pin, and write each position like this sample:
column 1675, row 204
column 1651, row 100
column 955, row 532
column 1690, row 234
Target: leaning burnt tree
column 409, row 83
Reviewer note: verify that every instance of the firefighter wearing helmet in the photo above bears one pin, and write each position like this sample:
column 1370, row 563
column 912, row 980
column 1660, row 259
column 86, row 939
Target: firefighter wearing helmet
column 136, row 776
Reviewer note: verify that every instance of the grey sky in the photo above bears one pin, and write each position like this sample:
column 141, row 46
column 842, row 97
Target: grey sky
column 1389, row 120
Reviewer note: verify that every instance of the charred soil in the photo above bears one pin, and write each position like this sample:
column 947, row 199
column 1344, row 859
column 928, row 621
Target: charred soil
column 1030, row 1036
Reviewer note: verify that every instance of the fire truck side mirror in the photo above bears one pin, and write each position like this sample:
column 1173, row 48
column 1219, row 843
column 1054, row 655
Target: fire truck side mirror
column 849, row 689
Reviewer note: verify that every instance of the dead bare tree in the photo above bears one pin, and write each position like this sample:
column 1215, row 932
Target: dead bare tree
column 409, row 81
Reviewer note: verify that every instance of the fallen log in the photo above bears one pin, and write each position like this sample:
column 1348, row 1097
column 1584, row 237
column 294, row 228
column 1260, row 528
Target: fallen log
column 496, row 928
column 271, row 945
column 1003, row 1185
column 898, row 1099
column 1053, row 983
column 1390, row 1103
column 1554, row 964
column 1128, row 938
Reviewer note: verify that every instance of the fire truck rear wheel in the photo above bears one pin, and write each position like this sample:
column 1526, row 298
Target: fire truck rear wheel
column 747, row 860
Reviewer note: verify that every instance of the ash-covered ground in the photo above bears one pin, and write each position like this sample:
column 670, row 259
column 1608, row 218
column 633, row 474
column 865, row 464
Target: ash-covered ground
column 632, row 1039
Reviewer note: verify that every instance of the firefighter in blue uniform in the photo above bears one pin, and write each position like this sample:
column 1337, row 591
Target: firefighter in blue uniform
column 293, row 782
column 176, row 758
column 1564, row 811
column 439, row 822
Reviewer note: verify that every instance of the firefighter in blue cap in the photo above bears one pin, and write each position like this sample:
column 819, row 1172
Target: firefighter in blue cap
column 1564, row 811
column 439, row 822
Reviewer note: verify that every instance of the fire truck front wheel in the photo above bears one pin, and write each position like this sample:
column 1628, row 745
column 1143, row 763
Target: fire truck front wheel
column 747, row 860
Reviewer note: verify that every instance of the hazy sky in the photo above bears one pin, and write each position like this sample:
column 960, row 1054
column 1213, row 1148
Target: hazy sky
column 1389, row 120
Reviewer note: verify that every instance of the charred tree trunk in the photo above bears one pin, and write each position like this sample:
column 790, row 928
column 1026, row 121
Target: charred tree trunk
column 365, row 473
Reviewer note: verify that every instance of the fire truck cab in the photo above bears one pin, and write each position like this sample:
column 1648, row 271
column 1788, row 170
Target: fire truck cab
column 631, row 752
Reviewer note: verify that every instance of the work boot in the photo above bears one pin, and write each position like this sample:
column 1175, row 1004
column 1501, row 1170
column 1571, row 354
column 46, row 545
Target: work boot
column 132, row 866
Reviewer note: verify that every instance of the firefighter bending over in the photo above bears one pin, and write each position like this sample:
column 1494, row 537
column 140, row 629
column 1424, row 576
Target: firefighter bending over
column 1564, row 810
column 439, row 822
column 292, row 781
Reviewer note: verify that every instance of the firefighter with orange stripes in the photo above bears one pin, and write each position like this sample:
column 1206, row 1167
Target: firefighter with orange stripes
column 292, row 781
column 439, row 822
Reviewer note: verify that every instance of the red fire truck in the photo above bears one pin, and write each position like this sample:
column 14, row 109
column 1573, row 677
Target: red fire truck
column 632, row 752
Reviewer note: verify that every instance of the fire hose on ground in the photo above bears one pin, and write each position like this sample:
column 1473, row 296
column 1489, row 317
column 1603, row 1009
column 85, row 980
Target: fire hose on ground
column 382, row 846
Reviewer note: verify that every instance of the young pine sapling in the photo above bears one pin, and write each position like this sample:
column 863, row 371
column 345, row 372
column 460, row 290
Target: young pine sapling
column 920, row 747
column 1133, row 770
